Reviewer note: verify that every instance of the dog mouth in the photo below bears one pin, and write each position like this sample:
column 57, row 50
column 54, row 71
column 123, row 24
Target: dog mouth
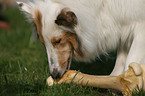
column 68, row 64
column 57, row 72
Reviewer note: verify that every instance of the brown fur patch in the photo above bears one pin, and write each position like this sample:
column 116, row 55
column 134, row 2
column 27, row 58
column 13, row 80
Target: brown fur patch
column 38, row 22
column 64, row 55
column 74, row 41
column 65, row 45
column 63, row 49
column 67, row 19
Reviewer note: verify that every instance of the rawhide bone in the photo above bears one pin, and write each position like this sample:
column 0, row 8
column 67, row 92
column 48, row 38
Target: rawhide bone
column 130, row 81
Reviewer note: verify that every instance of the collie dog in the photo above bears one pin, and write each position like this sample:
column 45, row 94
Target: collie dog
column 84, row 29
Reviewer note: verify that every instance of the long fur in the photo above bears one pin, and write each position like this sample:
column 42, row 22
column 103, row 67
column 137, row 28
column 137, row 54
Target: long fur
column 103, row 25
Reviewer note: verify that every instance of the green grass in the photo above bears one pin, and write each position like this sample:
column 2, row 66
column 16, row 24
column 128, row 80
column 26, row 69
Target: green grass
column 24, row 67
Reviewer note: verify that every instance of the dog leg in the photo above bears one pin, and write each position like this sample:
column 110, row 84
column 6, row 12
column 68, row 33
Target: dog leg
column 120, row 63
column 137, row 50
column 128, row 82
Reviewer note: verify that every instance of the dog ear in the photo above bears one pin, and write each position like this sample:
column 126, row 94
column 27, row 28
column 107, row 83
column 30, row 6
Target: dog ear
column 67, row 19
column 25, row 7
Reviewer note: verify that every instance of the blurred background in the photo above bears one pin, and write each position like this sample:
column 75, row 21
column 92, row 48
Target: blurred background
column 4, row 5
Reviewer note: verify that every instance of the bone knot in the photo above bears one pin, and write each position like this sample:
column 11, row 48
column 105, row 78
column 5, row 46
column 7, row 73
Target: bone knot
column 136, row 68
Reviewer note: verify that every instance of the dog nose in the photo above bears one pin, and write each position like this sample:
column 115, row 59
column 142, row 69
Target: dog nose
column 55, row 74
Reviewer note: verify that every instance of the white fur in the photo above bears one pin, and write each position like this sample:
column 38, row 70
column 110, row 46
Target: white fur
column 103, row 25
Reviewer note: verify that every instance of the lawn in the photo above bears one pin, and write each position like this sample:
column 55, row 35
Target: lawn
column 24, row 67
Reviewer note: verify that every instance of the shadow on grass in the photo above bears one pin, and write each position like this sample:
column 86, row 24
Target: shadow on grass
column 20, row 88
column 102, row 66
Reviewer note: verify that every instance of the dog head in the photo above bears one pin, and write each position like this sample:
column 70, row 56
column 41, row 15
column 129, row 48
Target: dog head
column 55, row 26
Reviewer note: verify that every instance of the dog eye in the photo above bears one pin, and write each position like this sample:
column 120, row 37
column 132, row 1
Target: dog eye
column 57, row 42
